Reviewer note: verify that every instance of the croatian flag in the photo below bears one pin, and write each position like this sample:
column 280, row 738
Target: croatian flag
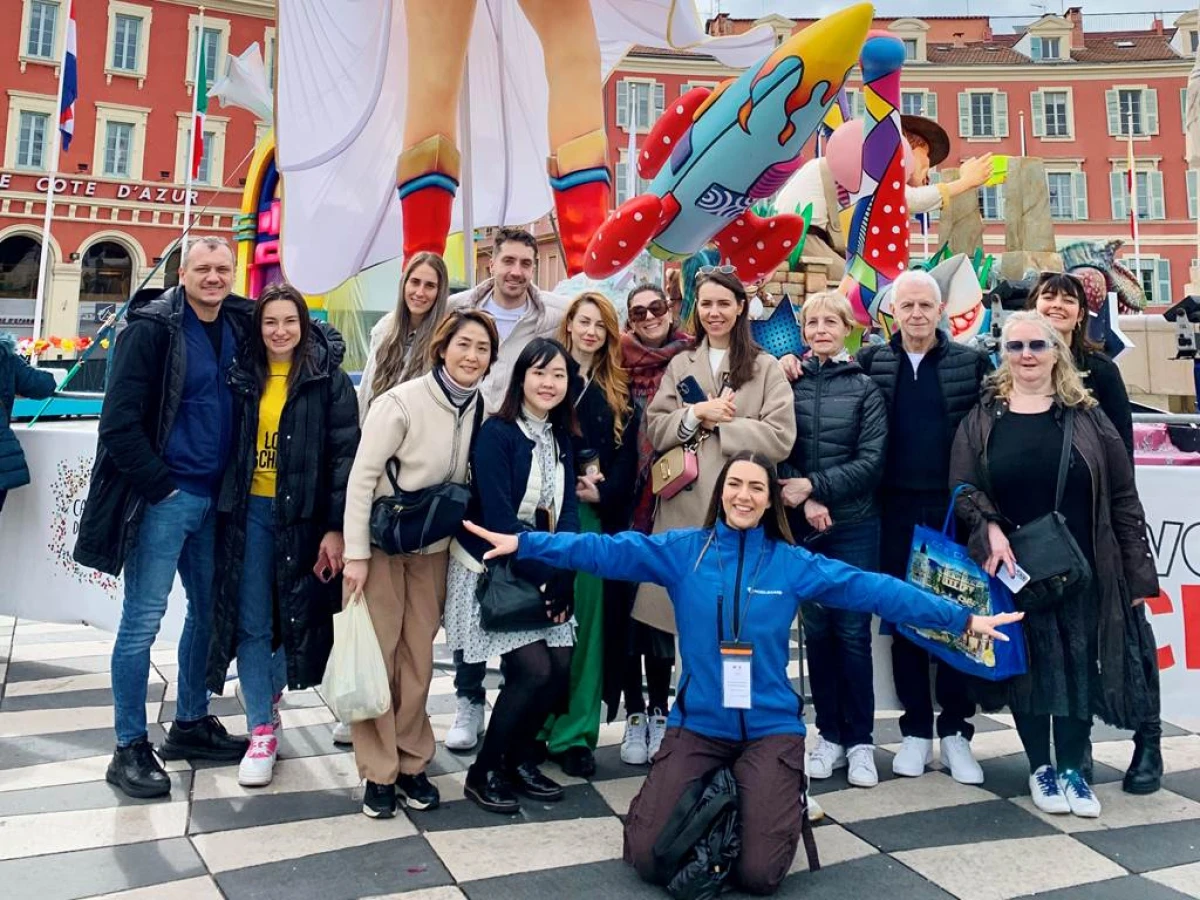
column 70, row 88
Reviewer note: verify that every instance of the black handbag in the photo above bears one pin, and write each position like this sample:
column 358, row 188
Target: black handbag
column 699, row 843
column 508, row 602
column 410, row 521
column 1046, row 550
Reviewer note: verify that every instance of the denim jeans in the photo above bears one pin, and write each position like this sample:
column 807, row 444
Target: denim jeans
column 177, row 534
column 262, row 673
column 838, row 642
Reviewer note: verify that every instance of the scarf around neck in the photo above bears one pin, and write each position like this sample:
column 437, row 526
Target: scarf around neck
column 646, row 365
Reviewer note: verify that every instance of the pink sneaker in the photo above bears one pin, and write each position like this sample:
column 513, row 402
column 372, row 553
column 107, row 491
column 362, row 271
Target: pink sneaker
column 258, row 765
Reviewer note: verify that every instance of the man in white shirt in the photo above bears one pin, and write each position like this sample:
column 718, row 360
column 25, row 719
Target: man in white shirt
column 814, row 184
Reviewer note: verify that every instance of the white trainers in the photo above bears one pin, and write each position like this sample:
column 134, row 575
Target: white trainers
column 342, row 734
column 1080, row 799
column 815, row 812
column 658, row 729
column 825, row 758
column 913, row 756
column 634, row 749
column 468, row 726
column 258, row 765
column 958, row 758
column 1045, row 792
column 861, row 761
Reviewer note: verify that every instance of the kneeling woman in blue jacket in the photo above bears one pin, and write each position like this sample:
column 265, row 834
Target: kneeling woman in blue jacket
column 736, row 585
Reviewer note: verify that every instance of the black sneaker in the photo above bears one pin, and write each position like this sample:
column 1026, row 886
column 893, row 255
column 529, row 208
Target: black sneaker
column 578, row 762
column 136, row 771
column 527, row 779
column 379, row 800
column 492, row 792
column 417, row 792
column 203, row 739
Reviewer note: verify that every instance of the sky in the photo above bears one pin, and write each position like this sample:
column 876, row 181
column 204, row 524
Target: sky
column 806, row 8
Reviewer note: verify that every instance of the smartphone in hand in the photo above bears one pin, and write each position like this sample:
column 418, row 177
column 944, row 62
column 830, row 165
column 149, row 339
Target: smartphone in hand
column 690, row 391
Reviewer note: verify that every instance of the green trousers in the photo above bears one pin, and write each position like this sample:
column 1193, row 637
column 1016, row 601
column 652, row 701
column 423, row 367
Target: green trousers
column 579, row 726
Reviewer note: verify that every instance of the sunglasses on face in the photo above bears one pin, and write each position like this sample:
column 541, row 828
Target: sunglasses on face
column 1016, row 348
column 654, row 310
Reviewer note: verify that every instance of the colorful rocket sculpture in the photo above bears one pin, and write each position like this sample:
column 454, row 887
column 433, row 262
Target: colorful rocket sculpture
column 713, row 153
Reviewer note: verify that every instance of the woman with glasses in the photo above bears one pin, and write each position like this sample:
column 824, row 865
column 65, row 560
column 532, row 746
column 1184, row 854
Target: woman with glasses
column 722, row 397
column 834, row 470
column 1085, row 650
column 647, row 348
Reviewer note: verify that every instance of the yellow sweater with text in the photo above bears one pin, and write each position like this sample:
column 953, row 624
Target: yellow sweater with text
column 266, row 447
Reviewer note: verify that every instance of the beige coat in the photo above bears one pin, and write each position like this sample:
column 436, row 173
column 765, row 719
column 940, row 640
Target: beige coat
column 765, row 422
column 415, row 423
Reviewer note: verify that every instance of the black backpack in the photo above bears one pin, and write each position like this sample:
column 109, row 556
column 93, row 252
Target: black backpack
column 699, row 843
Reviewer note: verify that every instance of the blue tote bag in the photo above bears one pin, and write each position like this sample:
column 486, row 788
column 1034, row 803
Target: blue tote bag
column 940, row 565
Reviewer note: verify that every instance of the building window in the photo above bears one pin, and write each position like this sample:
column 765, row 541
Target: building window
column 31, row 141
column 1132, row 111
column 910, row 49
column 1150, row 200
column 1155, row 277
column 1191, row 193
column 1051, row 114
column 204, row 174
column 1044, row 48
column 43, row 22
column 128, row 32
column 105, row 280
column 692, row 85
column 639, row 104
column 1068, row 195
column 216, row 48
column 918, row 103
column 1194, row 41
column 856, row 102
column 983, row 114
column 118, row 149
column 991, row 202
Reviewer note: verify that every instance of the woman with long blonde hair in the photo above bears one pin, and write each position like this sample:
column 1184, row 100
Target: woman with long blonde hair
column 1087, row 646
column 606, row 464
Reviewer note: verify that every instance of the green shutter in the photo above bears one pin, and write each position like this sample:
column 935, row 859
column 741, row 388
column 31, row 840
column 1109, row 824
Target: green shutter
column 1157, row 201
column 1079, row 194
column 1037, row 105
column 931, row 109
column 964, row 114
column 1163, row 292
column 1118, row 195
column 1001, row 114
column 1112, row 103
column 623, row 104
column 1150, row 110
column 660, row 102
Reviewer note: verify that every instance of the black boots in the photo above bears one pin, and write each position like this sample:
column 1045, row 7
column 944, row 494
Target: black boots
column 137, row 772
column 1145, row 770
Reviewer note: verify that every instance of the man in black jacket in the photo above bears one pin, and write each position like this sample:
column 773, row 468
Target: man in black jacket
column 930, row 383
column 165, row 434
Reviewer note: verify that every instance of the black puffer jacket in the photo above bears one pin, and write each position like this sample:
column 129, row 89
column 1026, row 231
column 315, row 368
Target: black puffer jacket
column 145, row 387
column 17, row 379
column 841, row 438
column 318, row 435
column 961, row 370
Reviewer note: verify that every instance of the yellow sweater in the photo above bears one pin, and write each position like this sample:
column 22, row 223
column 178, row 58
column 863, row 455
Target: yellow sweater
column 266, row 447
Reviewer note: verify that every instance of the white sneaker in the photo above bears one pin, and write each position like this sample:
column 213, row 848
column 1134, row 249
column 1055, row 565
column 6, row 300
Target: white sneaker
column 258, row 765
column 825, row 758
column 958, row 758
column 815, row 813
column 468, row 726
column 1045, row 792
column 913, row 756
column 342, row 735
column 658, row 729
column 634, row 750
column 861, row 760
column 1080, row 799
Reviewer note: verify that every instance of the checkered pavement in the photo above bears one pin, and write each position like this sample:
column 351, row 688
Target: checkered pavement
column 66, row 834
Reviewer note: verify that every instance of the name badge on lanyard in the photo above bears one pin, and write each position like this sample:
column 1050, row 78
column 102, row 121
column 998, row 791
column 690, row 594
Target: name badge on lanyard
column 737, row 659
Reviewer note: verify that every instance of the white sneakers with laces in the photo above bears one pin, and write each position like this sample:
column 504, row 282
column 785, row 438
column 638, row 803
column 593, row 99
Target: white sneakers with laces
column 658, row 730
column 958, row 758
column 860, row 760
column 1045, row 792
column 913, row 756
column 1080, row 798
column 258, row 765
column 468, row 726
column 634, row 746
column 825, row 758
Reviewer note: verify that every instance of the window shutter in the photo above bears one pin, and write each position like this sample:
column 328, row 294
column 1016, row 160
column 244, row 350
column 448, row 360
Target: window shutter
column 859, row 105
column 1150, row 110
column 1157, row 208
column 660, row 103
column 1000, row 201
column 1079, row 194
column 1118, row 194
column 930, row 105
column 1035, row 48
column 622, row 179
column 1162, row 281
column 1191, row 189
column 623, row 104
column 1001, row 114
column 1183, row 108
column 964, row 114
column 1113, row 104
column 1037, row 103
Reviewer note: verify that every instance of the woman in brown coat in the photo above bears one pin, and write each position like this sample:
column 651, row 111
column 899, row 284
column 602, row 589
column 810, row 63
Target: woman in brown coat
column 749, row 408
column 1086, row 650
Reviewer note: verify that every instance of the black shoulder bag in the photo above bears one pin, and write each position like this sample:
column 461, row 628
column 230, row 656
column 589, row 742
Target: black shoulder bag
column 409, row 521
column 1045, row 548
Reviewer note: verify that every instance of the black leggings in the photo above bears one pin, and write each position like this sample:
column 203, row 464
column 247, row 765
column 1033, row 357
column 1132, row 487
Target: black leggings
column 536, row 681
column 658, row 682
column 1070, row 740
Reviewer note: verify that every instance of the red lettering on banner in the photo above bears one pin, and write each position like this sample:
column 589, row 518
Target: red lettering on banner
column 1191, row 625
column 1162, row 606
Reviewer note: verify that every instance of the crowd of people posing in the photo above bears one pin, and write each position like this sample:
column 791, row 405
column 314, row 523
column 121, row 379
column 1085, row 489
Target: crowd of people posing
column 663, row 488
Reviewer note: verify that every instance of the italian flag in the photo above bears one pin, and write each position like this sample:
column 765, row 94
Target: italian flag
column 201, row 108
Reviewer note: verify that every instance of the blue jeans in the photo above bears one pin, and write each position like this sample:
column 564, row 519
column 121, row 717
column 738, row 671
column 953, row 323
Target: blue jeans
column 838, row 642
column 262, row 673
column 177, row 534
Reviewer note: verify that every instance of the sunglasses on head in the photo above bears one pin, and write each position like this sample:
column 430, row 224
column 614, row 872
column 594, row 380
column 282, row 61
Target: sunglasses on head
column 1016, row 348
column 653, row 310
column 709, row 270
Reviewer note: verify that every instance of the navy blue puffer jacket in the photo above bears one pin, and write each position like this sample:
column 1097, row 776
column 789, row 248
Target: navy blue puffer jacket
column 17, row 379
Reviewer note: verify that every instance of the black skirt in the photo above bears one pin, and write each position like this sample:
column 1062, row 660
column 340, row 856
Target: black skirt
column 1063, row 649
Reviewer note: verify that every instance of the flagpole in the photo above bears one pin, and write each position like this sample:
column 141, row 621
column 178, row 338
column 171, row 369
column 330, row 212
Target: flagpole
column 39, row 303
column 189, row 162
column 1133, row 198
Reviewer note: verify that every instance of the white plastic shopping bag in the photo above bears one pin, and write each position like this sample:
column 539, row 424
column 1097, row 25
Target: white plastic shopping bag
column 356, row 684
